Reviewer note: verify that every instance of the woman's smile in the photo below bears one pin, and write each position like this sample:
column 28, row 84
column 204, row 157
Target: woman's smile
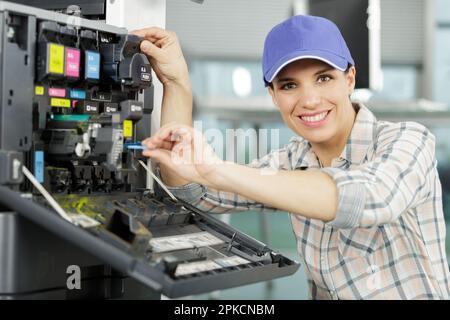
column 314, row 120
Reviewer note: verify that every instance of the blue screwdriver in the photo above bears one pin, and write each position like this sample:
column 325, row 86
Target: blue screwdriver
column 135, row 146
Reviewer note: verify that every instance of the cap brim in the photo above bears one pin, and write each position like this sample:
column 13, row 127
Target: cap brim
column 333, row 60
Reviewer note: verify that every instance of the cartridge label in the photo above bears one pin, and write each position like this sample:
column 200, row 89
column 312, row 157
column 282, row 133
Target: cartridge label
column 201, row 266
column 145, row 75
column 128, row 128
column 185, row 241
column 92, row 66
column 57, row 92
column 39, row 90
column 72, row 62
column 39, row 166
column 78, row 94
column 57, row 102
column 55, row 58
column 91, row 107
column 110, row 107
column 195, row 267
column 231, row 261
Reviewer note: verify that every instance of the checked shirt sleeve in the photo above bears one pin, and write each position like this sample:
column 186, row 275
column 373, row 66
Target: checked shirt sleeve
column 215, row 201
column 397, row 178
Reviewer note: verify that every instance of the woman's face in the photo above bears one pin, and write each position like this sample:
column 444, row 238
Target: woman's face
column 313, row 99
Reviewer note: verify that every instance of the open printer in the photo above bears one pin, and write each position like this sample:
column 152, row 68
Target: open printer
column 70, row 103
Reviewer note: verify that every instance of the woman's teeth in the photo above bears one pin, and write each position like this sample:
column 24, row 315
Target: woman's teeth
column 316, row 118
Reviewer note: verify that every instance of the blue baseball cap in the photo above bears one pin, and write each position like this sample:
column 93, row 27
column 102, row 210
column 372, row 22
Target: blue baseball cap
column 304, row 37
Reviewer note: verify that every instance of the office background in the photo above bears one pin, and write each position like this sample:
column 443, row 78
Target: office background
column 223, row 40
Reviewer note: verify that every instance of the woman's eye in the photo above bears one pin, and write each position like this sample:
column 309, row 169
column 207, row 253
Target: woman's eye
column 287, row 86
column 324, row 78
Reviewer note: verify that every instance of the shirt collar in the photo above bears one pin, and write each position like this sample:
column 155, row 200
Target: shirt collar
column 362, row 136
column 361, row 139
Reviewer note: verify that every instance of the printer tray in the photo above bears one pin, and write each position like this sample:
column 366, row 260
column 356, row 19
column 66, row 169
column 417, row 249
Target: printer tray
column 170, row 246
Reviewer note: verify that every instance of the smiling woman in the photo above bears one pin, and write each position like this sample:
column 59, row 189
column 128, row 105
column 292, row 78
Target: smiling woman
column 364, row 195
column 313, row 99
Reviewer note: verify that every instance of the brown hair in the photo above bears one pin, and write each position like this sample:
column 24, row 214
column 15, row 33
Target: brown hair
column 349, row 65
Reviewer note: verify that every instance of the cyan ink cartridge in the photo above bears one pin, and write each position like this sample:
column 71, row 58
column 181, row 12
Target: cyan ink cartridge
column 90, row 57
column 88, row 40
column 92, row 65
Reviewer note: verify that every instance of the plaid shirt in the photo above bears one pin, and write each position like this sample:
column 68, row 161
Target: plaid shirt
column 388, row 238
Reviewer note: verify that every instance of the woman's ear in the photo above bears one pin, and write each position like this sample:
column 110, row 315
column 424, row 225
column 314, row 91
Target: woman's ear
column 351, row 79
column 272, row 94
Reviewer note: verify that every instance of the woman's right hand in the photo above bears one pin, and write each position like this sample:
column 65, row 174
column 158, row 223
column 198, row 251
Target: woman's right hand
column 164, row 52
column 184, row 151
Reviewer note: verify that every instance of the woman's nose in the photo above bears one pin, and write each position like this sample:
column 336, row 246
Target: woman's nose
column 309, row 99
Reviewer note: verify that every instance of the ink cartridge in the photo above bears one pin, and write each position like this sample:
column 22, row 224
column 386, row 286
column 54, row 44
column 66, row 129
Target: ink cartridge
column 50, row 57
column 91, row 57
column 72, row 55
column 124, row 64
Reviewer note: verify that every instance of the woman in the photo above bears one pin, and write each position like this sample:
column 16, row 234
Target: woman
column 364, row 195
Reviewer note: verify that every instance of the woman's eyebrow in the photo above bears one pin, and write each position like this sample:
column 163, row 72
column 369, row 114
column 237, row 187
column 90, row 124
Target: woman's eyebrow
column 285, row 79
column 329, row 68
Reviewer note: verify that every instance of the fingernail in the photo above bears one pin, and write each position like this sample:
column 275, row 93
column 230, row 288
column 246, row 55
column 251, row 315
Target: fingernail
column 149, row 145
column 145, row 45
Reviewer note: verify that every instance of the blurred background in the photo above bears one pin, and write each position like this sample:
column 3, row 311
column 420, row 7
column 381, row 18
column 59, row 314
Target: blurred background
column 402, row 56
